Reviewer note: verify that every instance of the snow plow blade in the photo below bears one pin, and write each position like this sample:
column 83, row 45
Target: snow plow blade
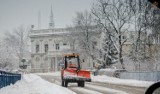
column 74, row 76
column 85, row 74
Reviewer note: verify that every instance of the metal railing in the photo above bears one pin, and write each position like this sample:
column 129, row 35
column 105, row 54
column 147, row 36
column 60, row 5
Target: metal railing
column 7, row 78
column 144, row 76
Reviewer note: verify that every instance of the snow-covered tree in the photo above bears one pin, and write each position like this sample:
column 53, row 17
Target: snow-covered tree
column 109, row 50
column 85, row 27
column 143, row 21
column 7, row 57
column 17, row 40
column 114, row 16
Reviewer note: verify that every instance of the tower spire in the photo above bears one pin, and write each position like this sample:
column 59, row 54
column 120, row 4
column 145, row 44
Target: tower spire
column 39, row 20
column 51, row 23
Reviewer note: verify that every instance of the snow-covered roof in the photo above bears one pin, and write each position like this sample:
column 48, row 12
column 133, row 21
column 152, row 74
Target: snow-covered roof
column 55, row 31
column 46, row 32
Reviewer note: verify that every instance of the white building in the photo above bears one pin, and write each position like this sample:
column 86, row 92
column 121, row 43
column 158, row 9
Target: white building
column 49, row 45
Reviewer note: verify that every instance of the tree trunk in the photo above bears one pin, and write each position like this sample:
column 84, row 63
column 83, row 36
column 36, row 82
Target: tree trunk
column 120, row 58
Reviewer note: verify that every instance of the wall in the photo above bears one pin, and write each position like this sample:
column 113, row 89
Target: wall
column 144, row 76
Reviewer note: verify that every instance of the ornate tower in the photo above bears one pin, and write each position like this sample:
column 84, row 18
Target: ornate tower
column 39, row 20
column 51, row 23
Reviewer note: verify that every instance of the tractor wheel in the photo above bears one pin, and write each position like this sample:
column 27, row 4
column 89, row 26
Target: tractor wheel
column 79, row 84
column 66, row 83
column 82, row 84
column 62, row 82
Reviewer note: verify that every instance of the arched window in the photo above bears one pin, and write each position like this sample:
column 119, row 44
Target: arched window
column 57, row 46
column 37, row 48
column 46, row 48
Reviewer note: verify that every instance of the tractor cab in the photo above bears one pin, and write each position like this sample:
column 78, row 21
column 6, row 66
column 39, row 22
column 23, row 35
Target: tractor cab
column 71, row 61
column 71, row 71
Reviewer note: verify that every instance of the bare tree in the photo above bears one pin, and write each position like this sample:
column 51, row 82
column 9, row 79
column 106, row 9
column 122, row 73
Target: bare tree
column 143, row 20
column 17, row 40
column 85, row 28
column 114, row 16
column 8, row 58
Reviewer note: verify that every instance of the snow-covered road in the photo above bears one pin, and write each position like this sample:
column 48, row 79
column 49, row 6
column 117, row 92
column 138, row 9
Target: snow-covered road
column 102, row 87
column 50, row 84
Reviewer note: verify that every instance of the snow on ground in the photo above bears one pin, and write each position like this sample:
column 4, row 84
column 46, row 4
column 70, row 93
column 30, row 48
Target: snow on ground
column 111, row 80
column 128, row 82
column 32, row 84
column 106, row 90
column 58, row 73
column 86, row 91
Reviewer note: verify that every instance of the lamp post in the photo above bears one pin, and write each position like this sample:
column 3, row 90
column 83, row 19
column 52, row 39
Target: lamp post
column 23, row 66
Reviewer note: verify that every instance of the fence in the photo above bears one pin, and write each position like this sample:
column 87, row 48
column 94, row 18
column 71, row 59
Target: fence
column 7, row 78
column 144, row 76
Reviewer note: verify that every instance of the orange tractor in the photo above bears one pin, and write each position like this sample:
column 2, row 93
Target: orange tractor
column 72, row 73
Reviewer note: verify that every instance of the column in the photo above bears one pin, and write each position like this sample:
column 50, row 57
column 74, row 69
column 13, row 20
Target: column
column 50, row 45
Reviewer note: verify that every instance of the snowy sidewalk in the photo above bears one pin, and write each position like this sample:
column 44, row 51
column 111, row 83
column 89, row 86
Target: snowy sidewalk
column 117, row 81
column 32, row 84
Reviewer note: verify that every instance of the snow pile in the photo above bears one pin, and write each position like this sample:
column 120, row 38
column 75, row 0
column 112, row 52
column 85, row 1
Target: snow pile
column 113, row 80
column 32, row 84
column 109, row 72
column 85, row 91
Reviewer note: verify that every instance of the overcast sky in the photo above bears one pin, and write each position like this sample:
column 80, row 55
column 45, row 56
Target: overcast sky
column 14, row 13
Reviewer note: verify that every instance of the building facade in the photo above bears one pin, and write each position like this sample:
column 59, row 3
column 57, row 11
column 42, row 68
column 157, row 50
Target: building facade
column 49, row 45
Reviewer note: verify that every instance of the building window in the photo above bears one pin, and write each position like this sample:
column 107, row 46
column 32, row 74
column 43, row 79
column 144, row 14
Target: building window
column 64, row 44
column 46, row 47
column 57, row 46
column 94, row 44
column 123, row 37
column 37, row 48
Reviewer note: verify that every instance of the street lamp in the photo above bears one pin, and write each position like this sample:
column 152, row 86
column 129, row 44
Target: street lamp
column 23, row 66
